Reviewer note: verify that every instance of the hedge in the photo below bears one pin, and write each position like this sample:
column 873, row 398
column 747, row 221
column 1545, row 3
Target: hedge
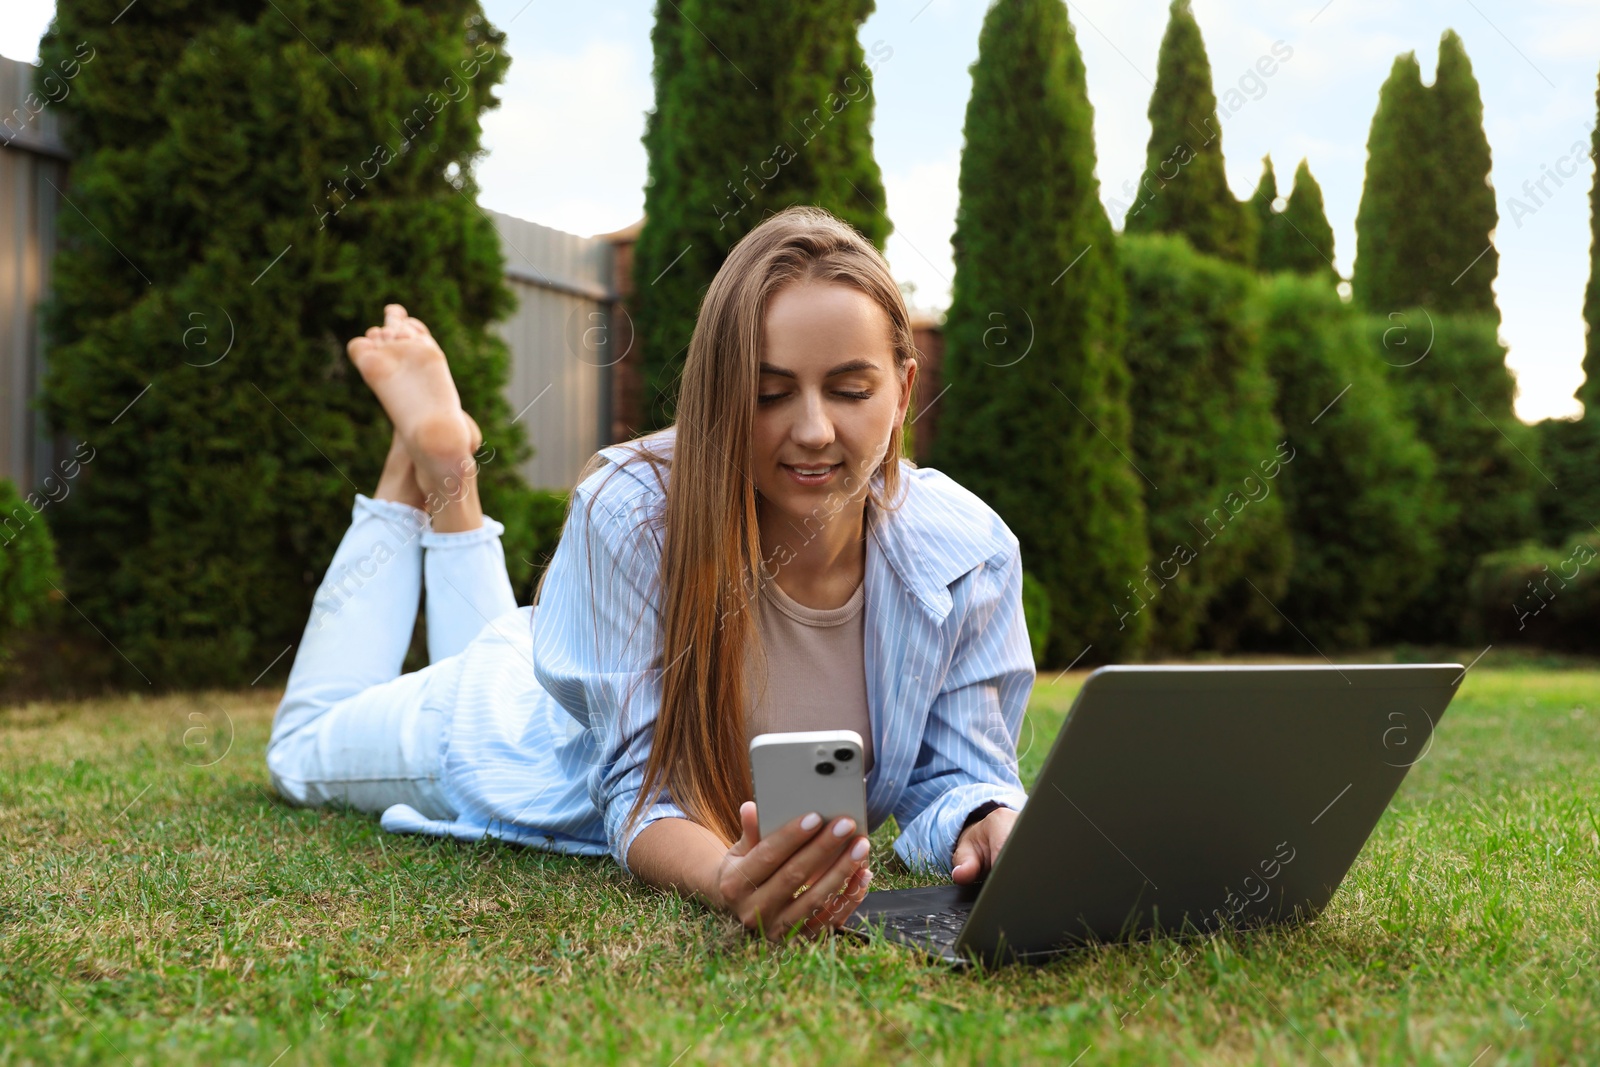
column 1450, row 376
column 1363, row 504
column 1209, row 446
column 1534, row 594
column 29, row 576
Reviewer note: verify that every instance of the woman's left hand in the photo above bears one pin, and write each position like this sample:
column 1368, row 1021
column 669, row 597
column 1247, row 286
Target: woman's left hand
column 979, row 845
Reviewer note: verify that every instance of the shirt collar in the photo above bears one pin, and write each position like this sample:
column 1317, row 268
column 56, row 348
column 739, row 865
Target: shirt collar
column 930, row 539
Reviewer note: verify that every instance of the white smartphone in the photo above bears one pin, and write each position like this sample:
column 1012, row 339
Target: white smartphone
column 805, row 771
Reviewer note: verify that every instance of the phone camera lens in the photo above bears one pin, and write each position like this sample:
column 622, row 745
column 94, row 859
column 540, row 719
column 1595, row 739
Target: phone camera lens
column 843, row 755
column 824, row 768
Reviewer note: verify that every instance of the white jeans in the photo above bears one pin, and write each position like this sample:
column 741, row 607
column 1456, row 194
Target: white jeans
column 351, row 729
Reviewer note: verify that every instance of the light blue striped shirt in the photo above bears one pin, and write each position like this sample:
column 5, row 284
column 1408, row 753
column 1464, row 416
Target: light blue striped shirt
column 548, row 744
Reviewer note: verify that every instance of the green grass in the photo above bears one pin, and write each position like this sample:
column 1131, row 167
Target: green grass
column 156, row 911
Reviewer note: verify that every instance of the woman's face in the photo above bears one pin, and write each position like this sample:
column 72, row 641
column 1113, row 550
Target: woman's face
column 828, row 399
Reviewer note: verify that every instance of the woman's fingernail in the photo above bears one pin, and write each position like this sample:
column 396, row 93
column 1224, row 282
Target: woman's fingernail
column 811, row 822
column 866, row 877
column 843, row 827
column 860, row 851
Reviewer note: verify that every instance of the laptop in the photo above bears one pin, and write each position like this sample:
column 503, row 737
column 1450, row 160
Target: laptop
column 1182, row 800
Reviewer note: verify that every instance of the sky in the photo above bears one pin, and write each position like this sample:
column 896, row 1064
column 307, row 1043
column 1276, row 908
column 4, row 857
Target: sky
column 564, row 150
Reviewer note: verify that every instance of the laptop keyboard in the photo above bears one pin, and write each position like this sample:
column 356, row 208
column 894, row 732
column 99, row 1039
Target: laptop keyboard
column 940, row 927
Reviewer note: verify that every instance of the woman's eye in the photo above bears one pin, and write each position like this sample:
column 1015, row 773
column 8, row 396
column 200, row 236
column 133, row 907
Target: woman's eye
column 767, row 398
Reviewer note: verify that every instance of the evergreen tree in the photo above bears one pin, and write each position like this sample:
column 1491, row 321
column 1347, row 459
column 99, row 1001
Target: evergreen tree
column 1589, row 391
column 1269, row 230
column 1305, row 244
column 1427, row 209
column 1450, row 374
column 1570, row 450
column 1463, row 198
column 758, row 107
column 1396, row 259
column 1036, row 417
column 1184, row 188
column 254, row 184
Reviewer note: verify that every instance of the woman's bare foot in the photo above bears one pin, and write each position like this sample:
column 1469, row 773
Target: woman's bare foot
column 407, row 369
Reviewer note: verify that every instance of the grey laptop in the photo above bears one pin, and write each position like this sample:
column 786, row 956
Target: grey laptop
column 1184, row 799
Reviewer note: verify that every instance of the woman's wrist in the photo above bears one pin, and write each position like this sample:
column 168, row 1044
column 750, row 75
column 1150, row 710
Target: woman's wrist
column 681, row 855
column 978, row 814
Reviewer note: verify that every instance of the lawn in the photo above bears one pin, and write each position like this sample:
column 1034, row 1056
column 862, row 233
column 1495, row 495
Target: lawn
column 158, row 905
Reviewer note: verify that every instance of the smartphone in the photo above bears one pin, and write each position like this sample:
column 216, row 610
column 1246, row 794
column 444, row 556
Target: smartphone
column 806, row 771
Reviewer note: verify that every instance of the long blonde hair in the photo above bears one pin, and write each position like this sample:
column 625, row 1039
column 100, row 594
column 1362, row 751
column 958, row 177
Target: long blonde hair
column 711, row 548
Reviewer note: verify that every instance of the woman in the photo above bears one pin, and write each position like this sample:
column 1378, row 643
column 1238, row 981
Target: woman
column 770, row 562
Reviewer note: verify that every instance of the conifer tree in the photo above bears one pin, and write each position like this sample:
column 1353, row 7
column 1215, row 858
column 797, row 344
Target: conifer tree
column 1036, row 418
column 1184, row 188
column 1305, row 239
column 1422, row 231
column 1464, row 199
column 1450, row 377
column 1269, row 230
column 1570, row 450
column 1589, row 391
column 758, row 107
column 251, row 186
column 1396, row 260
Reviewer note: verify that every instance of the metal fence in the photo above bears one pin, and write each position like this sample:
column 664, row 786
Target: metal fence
column 33, row 163
column 561, row 375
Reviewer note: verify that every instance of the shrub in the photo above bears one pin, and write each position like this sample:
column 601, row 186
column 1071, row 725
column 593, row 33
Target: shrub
column 1569, row 456
column 1450, row 376
column 29, row 576
column 1206, row 436
column 1036, row 612
column 531, row 540
column 1533, row 594
column 1362, row 502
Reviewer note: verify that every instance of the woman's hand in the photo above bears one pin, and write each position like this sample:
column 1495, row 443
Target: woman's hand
column 761, row 880
column 979, row 845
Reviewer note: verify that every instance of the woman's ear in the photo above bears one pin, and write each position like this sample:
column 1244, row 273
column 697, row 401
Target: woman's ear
column 910, row 366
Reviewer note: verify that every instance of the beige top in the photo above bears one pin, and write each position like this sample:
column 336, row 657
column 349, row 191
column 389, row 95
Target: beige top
column 816, row 668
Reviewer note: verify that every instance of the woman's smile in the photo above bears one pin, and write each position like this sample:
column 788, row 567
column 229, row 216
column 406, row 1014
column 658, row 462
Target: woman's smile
column 812, row 473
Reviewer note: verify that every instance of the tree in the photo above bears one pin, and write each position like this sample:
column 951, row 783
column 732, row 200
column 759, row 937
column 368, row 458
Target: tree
column 1427, row 209
column 1270, row 231
column 1184, row 189
column 1304, row 242
column 1036, row 419
column 1464, row 198
column 1570, row 450
column 1450, row 375
column 758, row 107
column 253, row 188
